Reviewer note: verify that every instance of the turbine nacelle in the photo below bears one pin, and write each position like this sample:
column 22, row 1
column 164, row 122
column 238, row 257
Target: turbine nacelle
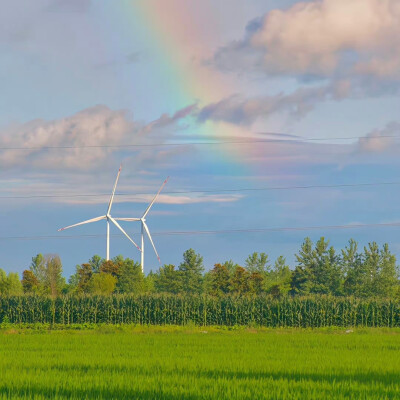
column 109, row 219
column 144, row 226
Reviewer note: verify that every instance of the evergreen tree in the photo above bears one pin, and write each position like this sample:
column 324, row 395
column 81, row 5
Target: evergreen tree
column 191, row 272
column 300, row 284
column 279, row 280
column 258, row 263
column 167, row 280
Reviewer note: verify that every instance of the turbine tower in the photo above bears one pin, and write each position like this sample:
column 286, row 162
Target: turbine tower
column 108, row 218
column 144, row 227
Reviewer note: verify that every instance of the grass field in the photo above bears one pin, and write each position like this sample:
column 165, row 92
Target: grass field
column 191, row 363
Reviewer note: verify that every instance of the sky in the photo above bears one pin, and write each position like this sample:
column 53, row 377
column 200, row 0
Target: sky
column 264, row 114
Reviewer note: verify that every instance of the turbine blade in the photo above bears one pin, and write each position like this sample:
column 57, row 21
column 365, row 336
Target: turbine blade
column 120, row 228
column 113, row 192
column 151, row 240
column 127, row 219
column 84, row 222
column 155, row 197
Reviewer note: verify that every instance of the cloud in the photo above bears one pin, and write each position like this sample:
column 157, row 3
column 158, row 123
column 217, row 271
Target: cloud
column 381, row 140
column 245, row 111
column 322, row 38
column 85, row 140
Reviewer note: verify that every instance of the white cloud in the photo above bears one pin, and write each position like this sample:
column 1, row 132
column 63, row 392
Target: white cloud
column 316, row 37
column 323, row 38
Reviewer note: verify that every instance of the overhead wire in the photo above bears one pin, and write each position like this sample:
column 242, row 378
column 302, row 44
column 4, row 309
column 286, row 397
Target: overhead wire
column 200, row 143
column 218, row 191
column 214, row 232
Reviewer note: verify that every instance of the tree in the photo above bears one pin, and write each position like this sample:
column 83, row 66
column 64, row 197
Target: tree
column 167, row 280
column 191, row 272
column 53, row 281
column 111, row 267
column 95, row 262
column 256, row 283
column 278, row 282
column 258, row 263
column 130, row 277
column 318, row 271
column 326, row 271
column 82, row 278
column 240, row 281
column 300, row 284
column 38, row 268
column 10, row 284
column 14, row 284
column 102, row 284
column 230, row 266
column 354, row 270
column 386, row 282
column 30, row 284
column 220, row 282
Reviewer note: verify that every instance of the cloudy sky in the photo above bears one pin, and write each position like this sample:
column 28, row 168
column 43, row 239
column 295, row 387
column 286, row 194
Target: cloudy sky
column 278, row 114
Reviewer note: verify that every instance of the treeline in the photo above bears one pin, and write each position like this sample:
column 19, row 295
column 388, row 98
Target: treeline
column 319, row 270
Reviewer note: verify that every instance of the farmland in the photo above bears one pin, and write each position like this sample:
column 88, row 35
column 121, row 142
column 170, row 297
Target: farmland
column 199, row 363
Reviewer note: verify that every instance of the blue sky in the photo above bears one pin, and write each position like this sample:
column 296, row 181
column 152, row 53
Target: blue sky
column 98, row 73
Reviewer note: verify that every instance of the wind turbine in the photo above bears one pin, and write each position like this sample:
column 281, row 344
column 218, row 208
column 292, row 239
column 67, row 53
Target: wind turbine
column 108, row 218
column 145, row 227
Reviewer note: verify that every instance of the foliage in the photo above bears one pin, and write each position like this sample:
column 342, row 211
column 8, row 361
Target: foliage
column 258, row 263
column 167, row 280
column 130, row 276
column 307, row 312
column 30, row 284
column 102, row 284
column 191, row 272
column 10, row 284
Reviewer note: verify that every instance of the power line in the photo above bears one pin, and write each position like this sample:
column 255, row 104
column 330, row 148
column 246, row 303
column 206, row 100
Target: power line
column 216, row 143
column 215, row 232
column 343, row 185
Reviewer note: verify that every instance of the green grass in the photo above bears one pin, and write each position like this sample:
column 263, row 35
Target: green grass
column 199, row 363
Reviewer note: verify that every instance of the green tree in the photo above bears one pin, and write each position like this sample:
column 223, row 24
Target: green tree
column 14, row 284
column 130, row 277
column 220, row 280
column 167, row 280
column 256, row 281
column 386, row 283
column 300, row 284
column 102, row 284
column 230, row 266
column 10, row 284
column 95, row 262
column 82, row 278
column 38, row 268
column 30, row 284
column 191, row 272
column 53, row 280
column 258, row 263
column 279, row 280
column 354, row 270
column 240, row 281
column 318, row 271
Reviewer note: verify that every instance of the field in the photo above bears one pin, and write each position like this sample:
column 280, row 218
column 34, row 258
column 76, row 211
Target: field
column 199, row 363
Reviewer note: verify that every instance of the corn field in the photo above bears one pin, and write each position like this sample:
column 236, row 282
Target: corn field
column 204, row 311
